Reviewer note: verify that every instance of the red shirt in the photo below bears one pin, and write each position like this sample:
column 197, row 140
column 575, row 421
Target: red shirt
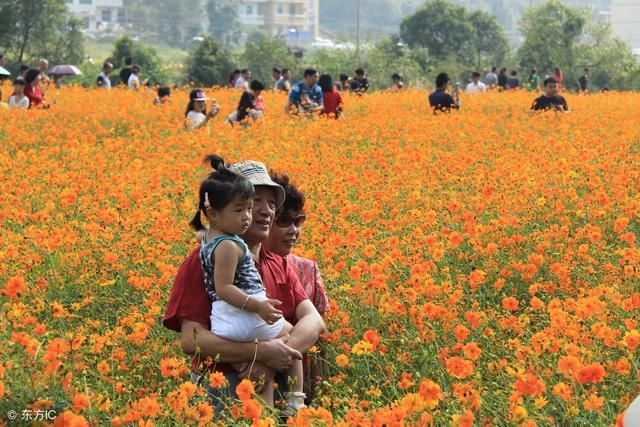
column 34, row 94
column 332, row 101
column 189, row 300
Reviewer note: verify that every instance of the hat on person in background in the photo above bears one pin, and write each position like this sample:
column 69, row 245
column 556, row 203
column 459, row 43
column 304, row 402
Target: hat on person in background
column 197, row 95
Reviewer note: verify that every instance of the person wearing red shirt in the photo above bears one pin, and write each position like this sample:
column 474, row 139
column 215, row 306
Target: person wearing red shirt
column 332, row 98
column 32, row 90
column 189, row 308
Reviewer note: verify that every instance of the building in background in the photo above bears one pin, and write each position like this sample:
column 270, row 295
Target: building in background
column 625, row 20
column 96, row 14
column 295, row 20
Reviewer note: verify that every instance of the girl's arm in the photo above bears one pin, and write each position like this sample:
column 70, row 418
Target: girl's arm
column 226, row 258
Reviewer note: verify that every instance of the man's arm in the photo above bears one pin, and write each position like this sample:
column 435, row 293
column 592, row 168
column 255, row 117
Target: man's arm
column 308, row 328
column 196, row 337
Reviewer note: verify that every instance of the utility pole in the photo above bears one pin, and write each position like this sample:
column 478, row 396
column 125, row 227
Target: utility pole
column 358, row 29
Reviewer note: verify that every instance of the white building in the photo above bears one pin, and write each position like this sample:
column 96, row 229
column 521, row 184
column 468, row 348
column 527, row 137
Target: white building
column 297, row 19
column 96, row 13
column 625, row 20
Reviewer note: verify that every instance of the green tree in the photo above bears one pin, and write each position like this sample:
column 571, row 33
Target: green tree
column 261, row 55
column 610, row 59
column 209, row 63
column 439, row 26
column 488, row 43
column 223, row 20
column 70, row 47
column 390, row 55
column 552, row 34
column 142, row 55
column 445, row 29
column 30, row 28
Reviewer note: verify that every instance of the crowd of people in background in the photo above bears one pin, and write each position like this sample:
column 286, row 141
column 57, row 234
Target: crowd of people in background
column 314, row 94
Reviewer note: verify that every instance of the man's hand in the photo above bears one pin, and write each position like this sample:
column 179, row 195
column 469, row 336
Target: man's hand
column 276, row 354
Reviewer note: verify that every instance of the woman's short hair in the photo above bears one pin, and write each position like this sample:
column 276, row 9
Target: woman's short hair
column 294, row 199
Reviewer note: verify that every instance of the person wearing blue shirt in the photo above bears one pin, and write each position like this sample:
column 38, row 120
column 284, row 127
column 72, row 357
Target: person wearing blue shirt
column 306, row 95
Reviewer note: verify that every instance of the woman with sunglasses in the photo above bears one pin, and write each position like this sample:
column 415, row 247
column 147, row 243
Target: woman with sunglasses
column 283, row 235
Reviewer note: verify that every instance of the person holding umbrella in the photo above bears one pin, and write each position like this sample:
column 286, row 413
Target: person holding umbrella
column 59, row 71
column 4, row 73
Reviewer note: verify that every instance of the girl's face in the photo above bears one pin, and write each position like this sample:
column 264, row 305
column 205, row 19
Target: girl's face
column 235, row 218
column 198, row 106
column 18, row 89
column 285, row 232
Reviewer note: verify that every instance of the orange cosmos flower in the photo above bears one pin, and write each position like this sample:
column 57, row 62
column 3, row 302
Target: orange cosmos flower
column 459, row 367
column 251, row 409
column 245, row 390
column 593, row 403
column 342, row 360
column 510, row 304
column 472, row 351
column 430, row 393
column 593, row 373
column 217, row 379
column 14, row 287
column 80, row 401
column 405, row 382
column 528, row 384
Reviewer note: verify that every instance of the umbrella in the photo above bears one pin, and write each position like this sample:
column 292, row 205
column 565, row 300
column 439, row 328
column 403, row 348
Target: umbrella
column 65, row 70
column 4, row 72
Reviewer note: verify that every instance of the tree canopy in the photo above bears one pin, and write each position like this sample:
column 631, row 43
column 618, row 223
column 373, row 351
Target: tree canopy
column 446, row 29
column 30, row 29
column 209, row 63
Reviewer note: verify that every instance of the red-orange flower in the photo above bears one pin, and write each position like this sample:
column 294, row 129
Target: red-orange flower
column 245, row 389
column 528, row 384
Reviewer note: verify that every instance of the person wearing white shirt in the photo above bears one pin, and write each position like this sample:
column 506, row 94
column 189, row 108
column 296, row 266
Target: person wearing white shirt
column 632, row 414
column 243, row 80
column 18, row 99
column 476, row 86
column 196, row 114
column 104, row 81
column 134, row 80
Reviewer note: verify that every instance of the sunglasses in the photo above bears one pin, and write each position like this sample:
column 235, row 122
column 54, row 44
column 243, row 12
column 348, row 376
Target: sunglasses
column 284, row 221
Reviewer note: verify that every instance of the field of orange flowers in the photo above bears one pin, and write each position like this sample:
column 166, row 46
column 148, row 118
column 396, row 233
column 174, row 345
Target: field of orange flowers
column 482, row 266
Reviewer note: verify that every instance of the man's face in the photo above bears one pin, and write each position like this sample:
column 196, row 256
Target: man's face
column 247, row 75
column 285, row 75
column 475, row 79
column 275, row 75
column 311, row 80
column 551, row 89
column 264, row 210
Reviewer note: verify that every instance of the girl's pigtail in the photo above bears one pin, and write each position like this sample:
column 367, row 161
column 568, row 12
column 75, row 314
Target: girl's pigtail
column 216, row 162
column 196, row 222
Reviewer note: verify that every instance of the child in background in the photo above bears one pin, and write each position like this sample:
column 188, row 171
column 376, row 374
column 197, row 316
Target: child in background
column 240, row 309
column 164, row 95
column 18, row 99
